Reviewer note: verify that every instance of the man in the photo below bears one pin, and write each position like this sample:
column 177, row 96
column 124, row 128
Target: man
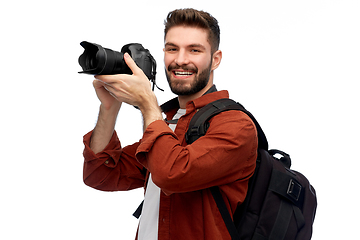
column 178, row 203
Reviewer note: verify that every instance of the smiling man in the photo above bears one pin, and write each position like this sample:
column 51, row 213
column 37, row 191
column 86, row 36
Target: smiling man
column 189, row 61
column 177, row 176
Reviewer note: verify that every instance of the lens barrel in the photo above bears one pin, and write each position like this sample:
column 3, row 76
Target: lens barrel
column 97, row 60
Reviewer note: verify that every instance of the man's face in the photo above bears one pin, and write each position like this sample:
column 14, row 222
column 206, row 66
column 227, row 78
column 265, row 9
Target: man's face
column 188, row 59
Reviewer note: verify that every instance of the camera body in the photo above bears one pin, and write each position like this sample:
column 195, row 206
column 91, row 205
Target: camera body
column 97, row 60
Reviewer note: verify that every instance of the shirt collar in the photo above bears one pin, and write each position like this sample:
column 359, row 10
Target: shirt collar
column 170, row 107
column 174, row 103
column 206, row 98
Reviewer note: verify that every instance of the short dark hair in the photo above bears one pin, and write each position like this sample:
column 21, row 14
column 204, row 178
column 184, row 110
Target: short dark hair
column 195, row 18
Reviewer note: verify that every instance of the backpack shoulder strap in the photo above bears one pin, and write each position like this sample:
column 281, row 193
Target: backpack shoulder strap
column 215, row 191
column 198, row 127
column 200, row 121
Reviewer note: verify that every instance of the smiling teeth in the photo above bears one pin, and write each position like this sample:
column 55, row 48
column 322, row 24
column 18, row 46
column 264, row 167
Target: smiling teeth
column 183, row 73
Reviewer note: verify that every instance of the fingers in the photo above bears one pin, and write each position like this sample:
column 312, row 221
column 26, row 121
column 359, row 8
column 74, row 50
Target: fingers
column 111, row 79
column 107, row 79
column 132, row 65
column 98, row 83
column 103, row 92
column 101, row 86
column 124, row 87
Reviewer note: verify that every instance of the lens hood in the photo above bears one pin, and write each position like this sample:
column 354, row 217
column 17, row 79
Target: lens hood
column 93, row 59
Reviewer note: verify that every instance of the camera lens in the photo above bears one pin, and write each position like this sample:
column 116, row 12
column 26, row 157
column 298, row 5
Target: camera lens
column 99, row 60
column 91, row 62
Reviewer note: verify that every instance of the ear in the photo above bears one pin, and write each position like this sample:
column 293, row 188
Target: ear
column 217, row 56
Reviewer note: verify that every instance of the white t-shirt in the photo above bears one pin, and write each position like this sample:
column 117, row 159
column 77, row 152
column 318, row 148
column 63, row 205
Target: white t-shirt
column 148, row 226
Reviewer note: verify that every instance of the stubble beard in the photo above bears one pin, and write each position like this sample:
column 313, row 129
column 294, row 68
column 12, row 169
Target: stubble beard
column 200, row 81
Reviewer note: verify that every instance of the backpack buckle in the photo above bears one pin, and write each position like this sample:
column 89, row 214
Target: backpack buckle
column 191, row 133
column 294, row 190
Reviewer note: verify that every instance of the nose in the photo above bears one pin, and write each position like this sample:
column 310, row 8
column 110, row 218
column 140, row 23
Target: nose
column 182, row 58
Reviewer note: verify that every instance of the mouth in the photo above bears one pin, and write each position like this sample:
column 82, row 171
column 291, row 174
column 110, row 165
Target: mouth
column 182, row 73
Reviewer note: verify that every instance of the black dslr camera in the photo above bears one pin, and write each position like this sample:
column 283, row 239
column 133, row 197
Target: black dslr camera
column 97, row 60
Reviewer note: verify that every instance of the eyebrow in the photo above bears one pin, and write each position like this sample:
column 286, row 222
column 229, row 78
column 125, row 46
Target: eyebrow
column 189, row 46
column 170, row 44
column 197, row 46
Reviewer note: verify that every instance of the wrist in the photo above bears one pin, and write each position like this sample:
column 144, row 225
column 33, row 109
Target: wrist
column 150, row 110
column 104, row 128
column 113, row 110
column 107, row 118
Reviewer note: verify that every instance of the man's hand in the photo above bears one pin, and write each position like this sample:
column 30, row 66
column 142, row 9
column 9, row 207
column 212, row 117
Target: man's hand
column 133, row 89
column 108, row 101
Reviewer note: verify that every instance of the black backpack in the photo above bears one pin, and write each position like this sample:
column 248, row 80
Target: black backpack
column 280, row 203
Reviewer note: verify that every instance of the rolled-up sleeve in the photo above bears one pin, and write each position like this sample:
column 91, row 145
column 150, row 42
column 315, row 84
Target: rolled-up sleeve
column 113, row 169
column 154, row 131
column 227, row 153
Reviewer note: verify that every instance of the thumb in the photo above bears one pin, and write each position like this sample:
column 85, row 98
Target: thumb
column 131, row 64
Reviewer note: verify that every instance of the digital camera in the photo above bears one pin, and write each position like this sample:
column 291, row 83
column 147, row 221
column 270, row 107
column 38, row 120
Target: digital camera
column 97, row 60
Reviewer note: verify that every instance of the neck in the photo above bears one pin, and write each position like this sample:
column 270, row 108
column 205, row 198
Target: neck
column 184, row 99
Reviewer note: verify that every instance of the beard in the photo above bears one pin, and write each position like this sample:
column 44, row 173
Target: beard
column 200, row 81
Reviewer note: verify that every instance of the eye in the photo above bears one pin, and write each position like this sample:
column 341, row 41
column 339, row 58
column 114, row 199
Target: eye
column 194, row 50
column 171, row 49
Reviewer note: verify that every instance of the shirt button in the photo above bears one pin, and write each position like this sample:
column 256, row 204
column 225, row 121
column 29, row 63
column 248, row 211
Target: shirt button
column 107, row 162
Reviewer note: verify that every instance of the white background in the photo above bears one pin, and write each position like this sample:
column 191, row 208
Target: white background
column 293, row 64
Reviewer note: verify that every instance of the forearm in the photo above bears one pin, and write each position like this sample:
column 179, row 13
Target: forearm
column 150, row 110
column 227, row 153
column 104, row 128
column 115, row 172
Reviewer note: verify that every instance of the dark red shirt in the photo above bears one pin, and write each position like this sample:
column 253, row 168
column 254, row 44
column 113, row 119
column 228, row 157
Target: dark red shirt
column 224, row 157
